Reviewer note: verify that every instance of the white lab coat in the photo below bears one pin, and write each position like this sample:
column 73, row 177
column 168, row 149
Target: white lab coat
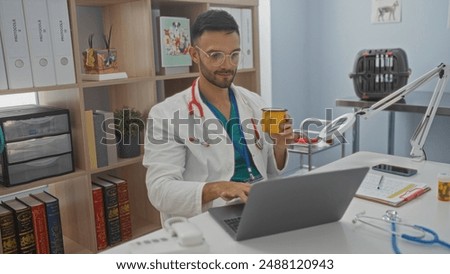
column 177, row 169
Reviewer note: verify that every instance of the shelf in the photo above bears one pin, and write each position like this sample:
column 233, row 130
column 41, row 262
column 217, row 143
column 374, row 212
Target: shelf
column 121, row 163
column 22, row 187
column 129, row 80
column 177, row 76
column 34, row 89
column 99, row 3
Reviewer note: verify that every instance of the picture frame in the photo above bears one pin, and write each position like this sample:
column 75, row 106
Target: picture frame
column 175, row 41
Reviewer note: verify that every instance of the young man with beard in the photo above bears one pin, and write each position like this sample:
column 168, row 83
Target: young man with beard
column 204, row 145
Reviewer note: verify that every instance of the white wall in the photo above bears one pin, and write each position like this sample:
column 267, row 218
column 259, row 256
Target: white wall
column 314, row 45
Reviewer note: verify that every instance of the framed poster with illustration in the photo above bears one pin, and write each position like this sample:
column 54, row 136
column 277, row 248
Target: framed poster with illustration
column 175, row 41
column 386, row 11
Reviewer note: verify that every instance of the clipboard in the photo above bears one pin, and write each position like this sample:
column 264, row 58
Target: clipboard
column 388, row 190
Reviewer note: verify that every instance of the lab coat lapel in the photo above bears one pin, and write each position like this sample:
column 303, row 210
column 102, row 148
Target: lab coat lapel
column 246, row 113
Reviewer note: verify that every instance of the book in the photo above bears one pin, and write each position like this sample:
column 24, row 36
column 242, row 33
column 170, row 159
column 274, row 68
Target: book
column 23, row 220
column 104, row 76
column 8, row 234
column 90, row 138
column 39, row 223
column 388, row 190
column 110, row 136
column 99, row 135
column 58, row 14
column 3, row 78
column 111, row 204
column 126, row 232
column 175, row 41
column 39, row 42
column 15, row 44
column 55, row 233
column 99, row 216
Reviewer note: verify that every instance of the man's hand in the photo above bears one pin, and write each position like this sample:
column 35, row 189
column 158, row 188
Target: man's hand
column 286, row 135
column 225, row 190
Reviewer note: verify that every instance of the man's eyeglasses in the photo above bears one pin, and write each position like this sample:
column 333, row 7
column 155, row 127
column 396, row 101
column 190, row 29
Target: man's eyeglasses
column 217, row 58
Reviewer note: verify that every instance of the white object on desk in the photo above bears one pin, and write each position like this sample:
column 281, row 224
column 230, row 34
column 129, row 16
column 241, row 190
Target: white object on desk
column 181, row 236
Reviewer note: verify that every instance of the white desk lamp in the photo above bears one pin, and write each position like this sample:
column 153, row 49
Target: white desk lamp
column 344, row 122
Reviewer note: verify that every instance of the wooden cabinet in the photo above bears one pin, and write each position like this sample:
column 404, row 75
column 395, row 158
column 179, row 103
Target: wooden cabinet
column 132, row 36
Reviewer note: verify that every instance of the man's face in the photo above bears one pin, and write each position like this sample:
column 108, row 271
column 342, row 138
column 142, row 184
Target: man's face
column 223, row 75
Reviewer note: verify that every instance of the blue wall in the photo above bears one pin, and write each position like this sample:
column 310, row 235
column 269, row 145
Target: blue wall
column 314, row 44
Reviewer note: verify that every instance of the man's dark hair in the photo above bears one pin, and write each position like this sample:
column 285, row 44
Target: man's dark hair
column 213, row 20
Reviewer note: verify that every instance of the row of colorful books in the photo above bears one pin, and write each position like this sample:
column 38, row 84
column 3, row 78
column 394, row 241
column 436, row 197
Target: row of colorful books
column 31, row 224
column 37, row 44
column 111, row 210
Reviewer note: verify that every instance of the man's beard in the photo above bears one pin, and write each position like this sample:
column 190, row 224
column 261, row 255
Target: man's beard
column 211, row 76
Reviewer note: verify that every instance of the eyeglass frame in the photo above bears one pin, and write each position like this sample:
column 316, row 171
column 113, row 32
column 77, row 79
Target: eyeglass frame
column 224, row 56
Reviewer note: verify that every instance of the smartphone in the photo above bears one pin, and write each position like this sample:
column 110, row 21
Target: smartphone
column 397, row 170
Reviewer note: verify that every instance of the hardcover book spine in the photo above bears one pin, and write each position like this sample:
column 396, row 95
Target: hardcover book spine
column 8, row 231
column 99, row 212
column 55, row 234
column 40, row 229
column 112, row 215
column 124, row 210
column 24, row 226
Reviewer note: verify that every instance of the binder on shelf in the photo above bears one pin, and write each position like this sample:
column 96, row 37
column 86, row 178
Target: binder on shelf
column 3, row 79
column 247, row 38
column 236, row 13
column 15, row 44
column 58, row 14
column 39, row 42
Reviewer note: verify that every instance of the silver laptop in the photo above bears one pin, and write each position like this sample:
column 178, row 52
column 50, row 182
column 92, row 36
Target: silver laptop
column 290, row 203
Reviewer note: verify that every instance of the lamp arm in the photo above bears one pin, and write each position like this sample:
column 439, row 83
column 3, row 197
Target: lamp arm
column 419, row 137
column 400, row 93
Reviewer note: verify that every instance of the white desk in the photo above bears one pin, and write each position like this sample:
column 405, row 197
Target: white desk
column 342, row 236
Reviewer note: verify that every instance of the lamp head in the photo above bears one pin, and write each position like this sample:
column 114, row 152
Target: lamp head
column 338, row 126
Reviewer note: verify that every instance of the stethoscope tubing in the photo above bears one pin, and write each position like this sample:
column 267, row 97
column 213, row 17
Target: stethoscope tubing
column 394, row 222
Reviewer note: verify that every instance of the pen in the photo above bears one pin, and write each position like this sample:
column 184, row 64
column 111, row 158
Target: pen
column 379, row 183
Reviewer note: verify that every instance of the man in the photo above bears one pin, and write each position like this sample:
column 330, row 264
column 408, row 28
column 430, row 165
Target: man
column 204, row 144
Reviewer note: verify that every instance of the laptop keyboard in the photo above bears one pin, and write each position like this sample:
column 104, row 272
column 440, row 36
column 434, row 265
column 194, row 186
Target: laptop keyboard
column 233, row 223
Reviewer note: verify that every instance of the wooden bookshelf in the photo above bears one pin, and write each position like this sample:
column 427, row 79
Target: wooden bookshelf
column 133, row 38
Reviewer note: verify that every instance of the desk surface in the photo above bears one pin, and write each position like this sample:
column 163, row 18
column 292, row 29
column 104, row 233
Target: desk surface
column 342, row 236
column 414, row 102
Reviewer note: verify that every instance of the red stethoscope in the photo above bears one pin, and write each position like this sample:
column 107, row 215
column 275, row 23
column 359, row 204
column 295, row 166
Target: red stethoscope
column 194, row 102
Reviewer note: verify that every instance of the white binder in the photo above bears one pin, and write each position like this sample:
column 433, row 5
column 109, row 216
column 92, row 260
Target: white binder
column 39, row 42
column 3, row 79
column 236, row 13
column 15, row 44
column 58, row 14
column 247, row 38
